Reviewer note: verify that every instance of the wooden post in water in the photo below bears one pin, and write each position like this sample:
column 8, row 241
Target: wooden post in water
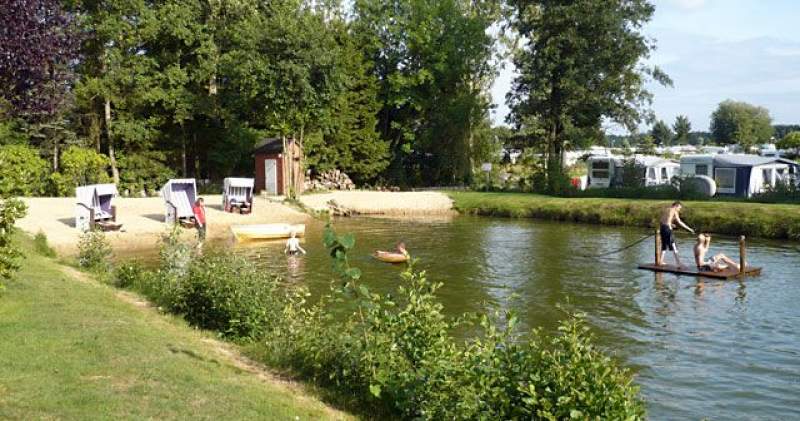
column 658, row 248
column 742, row 255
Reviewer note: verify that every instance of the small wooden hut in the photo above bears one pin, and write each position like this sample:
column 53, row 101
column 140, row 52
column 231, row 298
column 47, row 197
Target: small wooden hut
column 279, row 166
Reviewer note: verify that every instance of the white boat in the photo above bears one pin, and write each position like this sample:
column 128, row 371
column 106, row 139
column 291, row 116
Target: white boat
column 267, row 231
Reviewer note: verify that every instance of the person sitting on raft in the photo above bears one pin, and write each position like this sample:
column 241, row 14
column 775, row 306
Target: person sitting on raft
column 717, row 263
column 293, row 245
column 669, row 218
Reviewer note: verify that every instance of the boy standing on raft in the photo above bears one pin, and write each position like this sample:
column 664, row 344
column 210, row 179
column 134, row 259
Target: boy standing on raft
column 669, row 218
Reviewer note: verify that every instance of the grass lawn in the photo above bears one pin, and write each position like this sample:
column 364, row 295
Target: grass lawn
column 72, row 348
column 731, row 218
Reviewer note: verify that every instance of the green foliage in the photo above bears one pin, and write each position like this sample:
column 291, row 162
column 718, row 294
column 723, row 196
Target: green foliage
column 662, row 135
column 633, row 174
column 790, row 141
column 740, row 122
column 432, row 60
column 580, row 64
column 646, row 146
column 22, row 171
column 682, row 128
column 10, row 211
column 79, row 167
column 41, row 246
column 94, row 252
column 229, row 295
column 143, row 172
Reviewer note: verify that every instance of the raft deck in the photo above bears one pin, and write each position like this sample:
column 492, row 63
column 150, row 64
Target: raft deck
column 692, row 271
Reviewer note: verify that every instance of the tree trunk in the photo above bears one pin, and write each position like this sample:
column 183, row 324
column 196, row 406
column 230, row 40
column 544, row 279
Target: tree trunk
column 112, row 157
column 55, row 156
column 183, row 153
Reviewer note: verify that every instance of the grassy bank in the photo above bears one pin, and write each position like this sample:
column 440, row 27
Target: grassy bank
column 750, row 219
column 72, row 348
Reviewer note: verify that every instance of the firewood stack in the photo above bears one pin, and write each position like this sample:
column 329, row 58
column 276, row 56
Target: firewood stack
column 331, row 180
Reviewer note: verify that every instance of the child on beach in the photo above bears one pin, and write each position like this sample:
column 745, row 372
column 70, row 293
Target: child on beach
column 199, row 211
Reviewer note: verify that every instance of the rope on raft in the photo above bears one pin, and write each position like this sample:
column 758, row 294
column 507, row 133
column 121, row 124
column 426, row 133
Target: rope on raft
column 646, row 237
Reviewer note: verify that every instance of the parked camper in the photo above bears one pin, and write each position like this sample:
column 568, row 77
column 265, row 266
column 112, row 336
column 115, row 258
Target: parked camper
column 94, row 208
column 606, row 171
column 237, row 194
column 740, row 175
column 179, row 195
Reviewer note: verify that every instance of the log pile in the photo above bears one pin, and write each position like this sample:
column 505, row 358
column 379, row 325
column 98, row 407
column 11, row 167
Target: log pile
column 330, row 180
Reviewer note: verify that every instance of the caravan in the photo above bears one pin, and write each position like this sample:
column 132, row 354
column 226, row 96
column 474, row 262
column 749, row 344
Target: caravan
column 740, row 175
column 606, row 171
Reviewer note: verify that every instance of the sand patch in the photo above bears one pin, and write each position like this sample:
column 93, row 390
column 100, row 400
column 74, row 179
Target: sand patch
column 143, row 221
column 383, row 203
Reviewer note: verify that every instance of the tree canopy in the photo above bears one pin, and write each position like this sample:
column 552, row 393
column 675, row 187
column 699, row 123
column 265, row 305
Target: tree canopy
column 581, row 63
column 739, row 122
column 682, row 128
column 662, row 135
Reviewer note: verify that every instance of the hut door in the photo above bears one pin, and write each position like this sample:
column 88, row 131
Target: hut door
column 271, row 176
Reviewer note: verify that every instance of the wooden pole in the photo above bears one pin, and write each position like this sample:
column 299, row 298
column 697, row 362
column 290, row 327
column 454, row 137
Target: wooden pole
column 742, row 255
column 658, row 248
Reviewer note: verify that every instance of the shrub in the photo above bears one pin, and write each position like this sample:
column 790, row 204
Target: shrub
column 129, row 275
column 41, row 246
column 230, row 295
column 79, row 166
column 10, row 211
column 94, row 252
column 22, row 171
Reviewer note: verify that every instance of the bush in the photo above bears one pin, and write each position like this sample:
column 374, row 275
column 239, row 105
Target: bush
column 79, row 167
column 94, row 252
column 41, row 246
column 10, row 211
column 22, row 171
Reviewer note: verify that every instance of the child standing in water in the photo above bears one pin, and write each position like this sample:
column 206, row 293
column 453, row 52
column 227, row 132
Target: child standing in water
column 293, row 245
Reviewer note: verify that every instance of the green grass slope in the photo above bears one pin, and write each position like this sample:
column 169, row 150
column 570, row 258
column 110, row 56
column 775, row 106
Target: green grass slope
column 73, row 349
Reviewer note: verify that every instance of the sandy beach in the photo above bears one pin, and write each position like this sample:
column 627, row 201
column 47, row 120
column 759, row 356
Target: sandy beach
column 383, row 203
column 143, row 218
column 143, row 221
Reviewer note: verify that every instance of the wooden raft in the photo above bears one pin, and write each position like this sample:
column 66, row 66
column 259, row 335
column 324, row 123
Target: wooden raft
column 729, row 273
column 690, row 270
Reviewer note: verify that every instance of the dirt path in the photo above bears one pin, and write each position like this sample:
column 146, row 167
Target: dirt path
column 383, row 203
column 143, row 221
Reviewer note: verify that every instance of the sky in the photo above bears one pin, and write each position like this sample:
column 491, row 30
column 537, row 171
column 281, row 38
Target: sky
column 745, row 50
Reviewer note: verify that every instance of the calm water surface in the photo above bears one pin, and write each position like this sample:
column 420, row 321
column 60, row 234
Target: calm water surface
column 701, row 348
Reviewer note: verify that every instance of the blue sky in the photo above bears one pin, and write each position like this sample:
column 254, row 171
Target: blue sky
column 746, row 50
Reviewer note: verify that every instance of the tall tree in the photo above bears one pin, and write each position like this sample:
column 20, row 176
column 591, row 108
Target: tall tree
column 432, row 59
column 682, row 129
column 662, row 135
column 581, row 64
column 38, row 43
column 739, row 122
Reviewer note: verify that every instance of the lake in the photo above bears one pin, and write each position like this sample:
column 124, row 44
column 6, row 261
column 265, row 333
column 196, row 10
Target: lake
column 700, row 348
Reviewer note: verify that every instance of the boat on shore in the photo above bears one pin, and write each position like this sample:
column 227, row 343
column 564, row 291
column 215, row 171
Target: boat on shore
column 267, row 231
column 390, row 256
